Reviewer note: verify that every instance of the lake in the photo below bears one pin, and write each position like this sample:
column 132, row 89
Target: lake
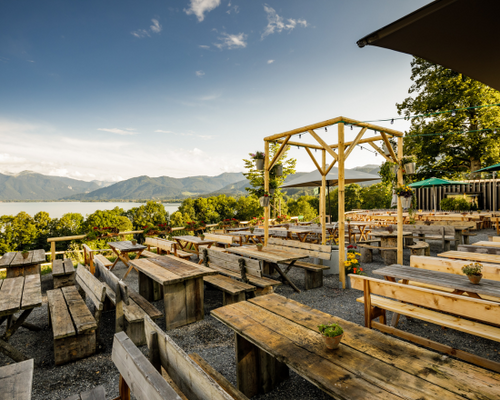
column 58, row 209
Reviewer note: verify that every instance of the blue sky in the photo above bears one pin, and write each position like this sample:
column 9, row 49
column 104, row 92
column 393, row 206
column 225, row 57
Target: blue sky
column 109, row 90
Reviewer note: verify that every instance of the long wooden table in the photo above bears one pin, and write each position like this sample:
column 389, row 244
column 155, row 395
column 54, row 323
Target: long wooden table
column 16, row 265
column 180, row 282
column 459, row 283
column 122, row 249
column 272, row 257
column 22, row 293
column 248, row 236
column 192, row 243
column 464, row 255
column 274, row 333
column 487, row 244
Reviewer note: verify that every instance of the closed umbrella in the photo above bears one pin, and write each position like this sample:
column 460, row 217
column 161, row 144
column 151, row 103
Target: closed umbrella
column 433, row 183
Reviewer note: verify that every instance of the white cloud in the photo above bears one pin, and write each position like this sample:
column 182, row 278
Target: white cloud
column 31, row 61
column 203, row 46
column 9, row 159
column 199, row 73
column 200, row 7
column 277, row 24
column 232, row 41
column 270, row 61
column 127, row 131
column 155, row 28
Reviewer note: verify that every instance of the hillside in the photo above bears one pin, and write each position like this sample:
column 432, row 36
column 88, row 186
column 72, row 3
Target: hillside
column 29, row 185
column 163, row 187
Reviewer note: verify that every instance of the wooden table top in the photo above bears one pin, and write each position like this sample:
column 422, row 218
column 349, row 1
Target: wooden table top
column 15, row 258
column 236, row 229
column 464, row 255
column 443, row 279
column 170, row 269
column 487, row 244
column 389, row 235
column 16, row 380
column 126, row 246
column 367, row 365
column 267, row 254
column 245, row 233
column 20, row 293
column 193, row 239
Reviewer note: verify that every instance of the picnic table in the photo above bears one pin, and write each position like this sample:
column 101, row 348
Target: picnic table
column 179, row 282
column 459, row 283
column 487, row 244
column 464, row 255
column 192, row 243
column 273, row 333
column 255, row 237
column 272, row 257
column 16, row 265
column 22, row 293
column 301, row 233
column 121, row 249
column 16, row 380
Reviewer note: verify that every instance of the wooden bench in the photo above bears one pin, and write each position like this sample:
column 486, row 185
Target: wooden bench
column 167, row 246
column 88, row 258
column 470, row 248
column 74, row 328
column 224, row 240
column 16, row 380
column 462, row 313
column 446, row 234
column 248, row 271
column 97, row 393
column 313, row 272
column 130, row 306
column 149, row 254
column 63, row 273
column 420, row 249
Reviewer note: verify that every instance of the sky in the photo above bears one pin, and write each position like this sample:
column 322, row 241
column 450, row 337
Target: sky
column 109, row 90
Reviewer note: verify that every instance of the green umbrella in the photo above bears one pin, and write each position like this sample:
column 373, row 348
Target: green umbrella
column 491, row 168
column 433, row 182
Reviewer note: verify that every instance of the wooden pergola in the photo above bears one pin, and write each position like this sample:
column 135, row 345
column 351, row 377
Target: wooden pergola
column 339, row 152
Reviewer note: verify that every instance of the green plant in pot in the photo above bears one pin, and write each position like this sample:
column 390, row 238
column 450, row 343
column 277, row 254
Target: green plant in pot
column 134, row 242
column 202, row 236
column 25, row 254
column 332, row 334
column 260, row 246
column 251, row 229
column 473, row 272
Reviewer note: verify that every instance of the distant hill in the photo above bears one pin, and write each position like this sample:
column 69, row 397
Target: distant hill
column 28, row 185
column 163, row 187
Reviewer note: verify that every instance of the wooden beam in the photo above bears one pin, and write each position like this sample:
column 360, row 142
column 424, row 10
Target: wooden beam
column 305, row 128
column 330, row 167
column 314, row 161
column 333, row 146
column 400, row 207
column 266, row 188
column 323, row 198
column 392, row 132
column 341, row 206
column 355, row 142
column 389, row 147
column 279, row 153
column 305, row 145
column 323, row 143
column 379, row 150
column 366, row 140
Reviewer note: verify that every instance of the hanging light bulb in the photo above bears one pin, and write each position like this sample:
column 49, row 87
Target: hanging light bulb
column 300, row 136
column 453, row 113
column 326, row 129
column 494, row 131
column 392, row 121
column 351, row 127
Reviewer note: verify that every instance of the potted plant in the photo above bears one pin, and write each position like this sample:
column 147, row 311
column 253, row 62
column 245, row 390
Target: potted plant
column 264, row 200
column 405, row 193
column 260, row 246
column 278, row 170
column 409, row 164
column 202, row 236
column 251, row 229
column 25, row 254
column 389, row 228
column 134, row 242
column 473, row 272
column 332, row 334
column 258, row 156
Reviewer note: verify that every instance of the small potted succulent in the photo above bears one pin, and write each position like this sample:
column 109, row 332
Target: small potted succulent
column 473, row 272
column 25, row 254
column 251, row 229
column 134, row 242
column 260, row 246
column 202, row 236
column 332, row 334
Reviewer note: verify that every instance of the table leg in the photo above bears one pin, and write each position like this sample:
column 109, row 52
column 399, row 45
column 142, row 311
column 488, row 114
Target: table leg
column 11, row 351
column 117, row 259
column 183, row 303
column 285, row 277
column 257, row 371
column 146, row 289
column 15, row 324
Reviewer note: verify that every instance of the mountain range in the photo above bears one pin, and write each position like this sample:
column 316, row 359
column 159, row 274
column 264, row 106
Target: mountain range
column 29, row 185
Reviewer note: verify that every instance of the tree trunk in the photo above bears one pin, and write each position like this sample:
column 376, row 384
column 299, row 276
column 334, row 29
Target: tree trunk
column 475, row 164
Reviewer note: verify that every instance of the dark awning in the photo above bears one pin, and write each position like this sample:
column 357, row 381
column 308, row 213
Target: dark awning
column 462, row 35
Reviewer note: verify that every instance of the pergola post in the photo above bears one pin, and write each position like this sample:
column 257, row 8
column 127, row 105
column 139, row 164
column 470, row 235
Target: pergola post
column 266, row 188
column 400, row 208
column 323, row 198
column 341, row 208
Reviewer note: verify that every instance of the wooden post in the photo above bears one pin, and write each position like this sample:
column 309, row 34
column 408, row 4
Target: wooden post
column 323, row 198
column 400, row 208
column 53, row 252
column 341, row 207
column 266, row 188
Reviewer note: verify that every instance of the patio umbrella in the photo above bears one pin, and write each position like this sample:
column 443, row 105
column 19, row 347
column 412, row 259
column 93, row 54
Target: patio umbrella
column 458, row 34
column 491, row 168
column 433, row 183
column 313, row 179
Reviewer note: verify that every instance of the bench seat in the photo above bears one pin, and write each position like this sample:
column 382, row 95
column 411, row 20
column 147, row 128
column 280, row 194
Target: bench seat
column 97, row 393
column 63, row 273
column 148, row 254
column 104, row 261
column 310, row 266
column 232, row 290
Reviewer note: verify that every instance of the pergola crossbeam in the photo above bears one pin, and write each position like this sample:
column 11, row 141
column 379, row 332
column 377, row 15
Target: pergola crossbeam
column 279, row 153
column 323, row 143
column 379, row 150
column 389, row 147
column 353, row 144
column 305, row 145
column 315, row 162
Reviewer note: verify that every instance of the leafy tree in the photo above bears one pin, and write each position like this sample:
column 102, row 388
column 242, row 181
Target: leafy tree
column 24, row 232
column 436, row 89
column 248, row 207
column 151, row 212
column 377, row 195
column 44, row 227
column 6, row 233
column 104, row 218
column 302, row 206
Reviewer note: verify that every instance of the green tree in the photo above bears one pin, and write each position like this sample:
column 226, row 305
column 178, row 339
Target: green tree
column 248, row 207
column 374, row 196
column 24, row 232
column 302, row 206
column 151, row 212
column 6, row 234
column 436, row 89
column 44, row 226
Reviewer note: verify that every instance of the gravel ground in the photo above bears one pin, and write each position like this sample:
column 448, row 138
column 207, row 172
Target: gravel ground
column 213, row 340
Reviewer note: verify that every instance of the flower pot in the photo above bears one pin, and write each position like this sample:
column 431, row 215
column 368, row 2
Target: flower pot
column 134, row 242
column 406, row 202
column 25, row 255
column 271, row 191
column 259, row 248
column 259, row 164
column 394, row 169
column 332, row 343
column 278, row 170
column 410, row 168
column 385, row 149
column 474, row 279
column 264, row 201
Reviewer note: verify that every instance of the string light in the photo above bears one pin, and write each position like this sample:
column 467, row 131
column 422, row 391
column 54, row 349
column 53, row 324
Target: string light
column 326, row 130
column 351, row 127
column 453, row 113
column 451, row 133
column 392, row 121
column 300, row 136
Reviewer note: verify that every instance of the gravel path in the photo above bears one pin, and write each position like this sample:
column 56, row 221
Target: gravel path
column 213, row 341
